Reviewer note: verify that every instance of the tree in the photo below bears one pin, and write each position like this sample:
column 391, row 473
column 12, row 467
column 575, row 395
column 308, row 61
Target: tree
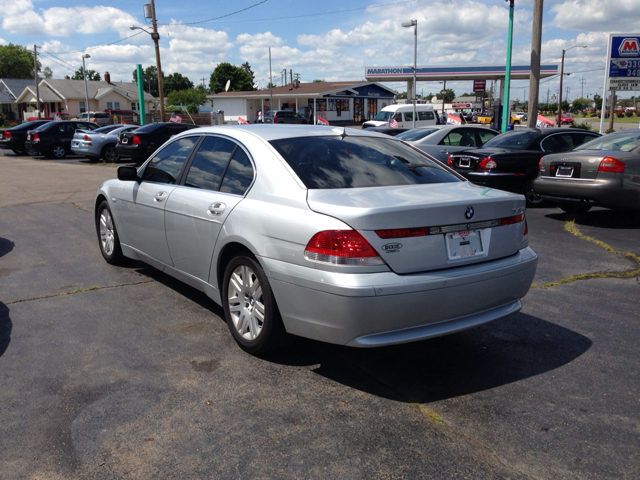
column 191, row 96
column 92, row 75
column 598, row 100
column 47, row 73
column 175, row 82
column 580, row 103
column 247, row 68
column 240, row 80
column 318, row 80
column 16, row 61
column 271, row 85
column 149, row 80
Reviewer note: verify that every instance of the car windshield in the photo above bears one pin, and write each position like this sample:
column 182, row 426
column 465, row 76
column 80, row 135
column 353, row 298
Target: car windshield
column 347, row 161
column 383, row 116
column 416, row 134
column 514, row 140
column 624, row 141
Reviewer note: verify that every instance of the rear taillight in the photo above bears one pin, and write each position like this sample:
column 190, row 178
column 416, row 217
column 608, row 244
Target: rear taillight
column 341, row 247
column 87, row 138
column 449, row 161
column 540, row 166
column 118, row 139
column 136, row 140
column 7, row 135
column 275, row 119
column 512, row 220
column 526, row 228
column 36, row 137
column 487, row 164
column 95, row 120
column 403, row 232
column 612, row 165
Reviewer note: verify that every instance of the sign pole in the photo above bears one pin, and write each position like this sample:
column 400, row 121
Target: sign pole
column 606, row 84
column 506, row 113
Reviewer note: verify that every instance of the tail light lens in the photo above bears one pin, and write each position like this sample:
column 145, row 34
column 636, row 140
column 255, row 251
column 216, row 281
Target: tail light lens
column 512, row 220
column 87, row 138
column 526, row 228
column 36, row 137
column 275, row 119
column 487, row 164
column 540, row 166
column 118, row 139
column 403, row 232
column 136, row 140
column 613, row 165
column 7, row 135
column 341, row 247
column 449, row 161
column 95, row 120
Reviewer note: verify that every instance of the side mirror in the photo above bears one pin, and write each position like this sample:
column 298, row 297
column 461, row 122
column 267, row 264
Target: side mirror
column 127, row 173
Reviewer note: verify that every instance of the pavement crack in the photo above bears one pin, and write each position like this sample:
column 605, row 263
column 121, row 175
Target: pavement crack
column 571, row 227
column 80, row 207
column 79, row 290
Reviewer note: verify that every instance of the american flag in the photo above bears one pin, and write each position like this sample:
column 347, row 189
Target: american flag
column 393, row 123
column 175, row 118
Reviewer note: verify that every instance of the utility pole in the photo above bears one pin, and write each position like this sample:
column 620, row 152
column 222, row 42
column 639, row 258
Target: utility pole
column 35, row 76
column 567, row 95
column 203, row 85
column 156, row 38
column 612, row 107
column 534, row 79
column 582, row 82
column 291, row 76
column 547, row 95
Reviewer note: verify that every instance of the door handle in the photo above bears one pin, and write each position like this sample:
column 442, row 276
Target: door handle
column 216, row 208
column 160, row 197
column 444, row 150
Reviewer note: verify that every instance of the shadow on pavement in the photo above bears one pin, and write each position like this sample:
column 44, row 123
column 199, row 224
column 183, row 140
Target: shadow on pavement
column 5, row 328
column 499, row 353
column 602, row 218
column 5, row 246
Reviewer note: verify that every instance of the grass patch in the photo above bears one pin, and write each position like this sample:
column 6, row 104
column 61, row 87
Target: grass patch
column 571, row 227
column 434, row 417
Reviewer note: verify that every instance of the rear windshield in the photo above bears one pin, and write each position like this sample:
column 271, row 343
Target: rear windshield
column 106, row 129
column 149, row 128
column 622, row 141
column 416, row 134
column 356, row 162
column 514, row 140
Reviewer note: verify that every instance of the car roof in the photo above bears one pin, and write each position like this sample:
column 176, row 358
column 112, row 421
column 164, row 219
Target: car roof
column 270, row 132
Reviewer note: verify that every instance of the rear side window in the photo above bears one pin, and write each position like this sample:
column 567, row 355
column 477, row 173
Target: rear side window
column 558, row 143
column 239, row 175
column 358, row 161
column 165, row 167
column 209, row 163
column 485, row 135
column 426, row 116
column 408, row 117
column 459, row 138
column 415, row 134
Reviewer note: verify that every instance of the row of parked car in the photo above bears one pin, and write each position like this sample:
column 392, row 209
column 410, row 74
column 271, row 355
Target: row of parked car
column 573, row 168
column 57, row 139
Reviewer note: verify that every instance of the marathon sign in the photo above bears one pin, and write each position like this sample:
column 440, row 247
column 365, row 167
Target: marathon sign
column 627, row 47
column 387, row 71
column 623, row 62
column 624, row 84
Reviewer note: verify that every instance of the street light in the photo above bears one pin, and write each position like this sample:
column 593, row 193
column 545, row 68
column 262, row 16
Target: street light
column 561, row 77
column 155, row 36
column 414, row 24
column 86, row 90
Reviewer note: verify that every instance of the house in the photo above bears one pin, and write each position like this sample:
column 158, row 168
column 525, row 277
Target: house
column 338, row 102
column 63, row 95
column 10, row 89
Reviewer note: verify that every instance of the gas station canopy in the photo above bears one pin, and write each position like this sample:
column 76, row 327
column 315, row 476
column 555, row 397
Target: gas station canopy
column 459, row 72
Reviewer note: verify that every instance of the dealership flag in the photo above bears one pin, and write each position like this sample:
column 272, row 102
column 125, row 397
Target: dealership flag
column 393, row 123
column 544, row 122
column 175, row 118
column 322, row 121
column 454, row 119
column 242, row 121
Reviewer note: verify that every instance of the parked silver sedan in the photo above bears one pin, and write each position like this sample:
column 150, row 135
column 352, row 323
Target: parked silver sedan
column 335, row 234
column 604, row 172
column 442, row 140
column 99, row 143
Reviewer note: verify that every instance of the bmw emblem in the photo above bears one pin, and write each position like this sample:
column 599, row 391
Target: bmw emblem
column 468, row 213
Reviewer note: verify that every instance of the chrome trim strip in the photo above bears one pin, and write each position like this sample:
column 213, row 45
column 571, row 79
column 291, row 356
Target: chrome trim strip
column 570, row 179
column 461, row 227
column 491, row 174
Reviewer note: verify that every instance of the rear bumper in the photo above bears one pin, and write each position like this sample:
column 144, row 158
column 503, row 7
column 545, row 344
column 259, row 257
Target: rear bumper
column 605, row 192
column 11, row 145
column 80, row 147
column 38, row 147
column 376, row 309
column 135, row 152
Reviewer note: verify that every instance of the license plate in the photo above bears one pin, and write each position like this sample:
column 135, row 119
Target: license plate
column 464, row 244
column 564, row 172
column 464, row 162
column 125, row 140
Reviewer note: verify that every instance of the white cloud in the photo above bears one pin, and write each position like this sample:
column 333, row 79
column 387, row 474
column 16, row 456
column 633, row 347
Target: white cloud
column 597, row 15
column 3, row 41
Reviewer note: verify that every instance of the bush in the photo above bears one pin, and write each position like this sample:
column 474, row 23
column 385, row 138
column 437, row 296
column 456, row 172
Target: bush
column 192, row 108
column 620, row 114
column 609, row 130
column 583, row 125
column 628, row 113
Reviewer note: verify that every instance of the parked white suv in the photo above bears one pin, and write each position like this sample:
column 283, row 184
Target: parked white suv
column 101, row 118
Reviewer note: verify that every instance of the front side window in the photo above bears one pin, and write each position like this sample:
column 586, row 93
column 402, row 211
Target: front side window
column 166, row 165
column 359, row 161
column 239, row 175
column 383, row 116
column 209, row 163
column 408, row 117
column 416, row 134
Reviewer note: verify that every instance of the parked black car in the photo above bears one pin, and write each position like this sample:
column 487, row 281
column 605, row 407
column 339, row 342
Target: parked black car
column 14, row 138
column 510, row 160
column 54, row 138
column 142, row 142
column 387, row 130
column 285, row 116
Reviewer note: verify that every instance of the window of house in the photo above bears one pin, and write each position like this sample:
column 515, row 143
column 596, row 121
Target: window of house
column 116, row 105
column 109, row 105
column 83, row 107
column 135, row 106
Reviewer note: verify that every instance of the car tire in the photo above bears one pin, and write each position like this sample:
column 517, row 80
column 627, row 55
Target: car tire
column 58, row 151
column 18, row 152
column 108, row 235
column 109, row 153
column 533, row 199
column 250, row 307
column 575, row 208
column 30, row 151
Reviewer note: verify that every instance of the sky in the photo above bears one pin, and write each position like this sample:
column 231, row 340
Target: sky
column 330, row 40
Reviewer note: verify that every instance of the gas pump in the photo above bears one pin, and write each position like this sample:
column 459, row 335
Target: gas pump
column 496, row 117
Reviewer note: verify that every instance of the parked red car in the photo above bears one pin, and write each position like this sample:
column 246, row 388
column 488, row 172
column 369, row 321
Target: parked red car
column 566, row 118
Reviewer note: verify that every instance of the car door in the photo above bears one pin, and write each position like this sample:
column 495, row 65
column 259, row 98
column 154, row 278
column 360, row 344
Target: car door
column 143, row 203
column 215, row 182
column 456, row 140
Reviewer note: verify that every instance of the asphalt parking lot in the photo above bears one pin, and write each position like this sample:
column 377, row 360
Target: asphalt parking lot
column 109, row 372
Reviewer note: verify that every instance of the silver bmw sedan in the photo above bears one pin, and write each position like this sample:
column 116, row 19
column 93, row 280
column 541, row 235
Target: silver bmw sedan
column 334, row 234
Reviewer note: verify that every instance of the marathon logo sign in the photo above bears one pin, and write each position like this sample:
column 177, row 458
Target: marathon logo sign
column 629, row 47
column 385, row 71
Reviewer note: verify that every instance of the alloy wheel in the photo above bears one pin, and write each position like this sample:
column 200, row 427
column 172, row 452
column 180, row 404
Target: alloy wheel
column 246, row 303
column 110, row 155
column 58, row 151
column 107, row 236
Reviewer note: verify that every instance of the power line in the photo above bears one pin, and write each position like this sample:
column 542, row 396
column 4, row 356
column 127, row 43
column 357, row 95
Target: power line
column 51, row 54
column 59, row 63
column 107, row 44
column 218, row 18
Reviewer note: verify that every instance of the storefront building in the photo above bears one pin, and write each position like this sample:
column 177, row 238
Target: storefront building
column 338, row 102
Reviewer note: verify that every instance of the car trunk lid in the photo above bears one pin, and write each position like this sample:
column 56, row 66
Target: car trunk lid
column 450, row 215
